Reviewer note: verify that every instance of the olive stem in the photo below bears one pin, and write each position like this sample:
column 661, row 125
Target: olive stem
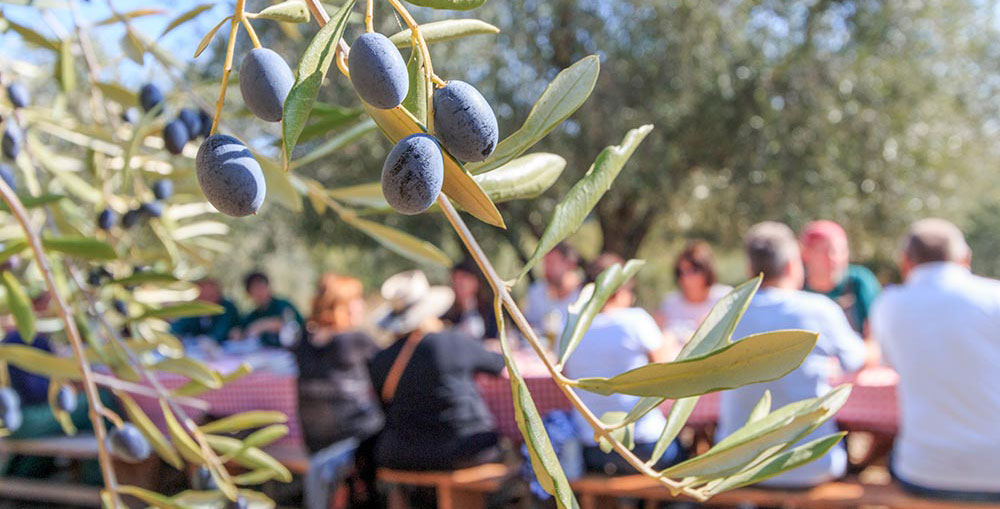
column 72, row 333
column 369, row 16
column 250, row 31
column 230, row 49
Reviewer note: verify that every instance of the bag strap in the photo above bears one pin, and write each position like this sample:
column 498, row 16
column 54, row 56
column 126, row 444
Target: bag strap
column 399, row 365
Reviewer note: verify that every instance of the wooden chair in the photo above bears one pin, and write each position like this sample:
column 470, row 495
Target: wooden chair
column 458, row 489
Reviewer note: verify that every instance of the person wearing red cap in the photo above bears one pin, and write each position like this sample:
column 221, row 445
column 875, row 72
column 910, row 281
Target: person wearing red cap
column 825, row 254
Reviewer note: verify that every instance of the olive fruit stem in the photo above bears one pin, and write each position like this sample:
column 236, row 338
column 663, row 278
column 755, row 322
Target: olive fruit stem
column 250, row 31
column 419, row 42
column 234, row 29
column 72, row 333
column 369, row 16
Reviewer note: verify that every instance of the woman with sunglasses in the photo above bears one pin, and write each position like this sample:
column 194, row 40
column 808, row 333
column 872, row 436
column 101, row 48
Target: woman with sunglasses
column 682, row 310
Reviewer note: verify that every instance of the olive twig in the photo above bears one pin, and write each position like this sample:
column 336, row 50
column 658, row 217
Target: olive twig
column 72, row 333
column 230, row 49
column 369, row 16
column 250, row 31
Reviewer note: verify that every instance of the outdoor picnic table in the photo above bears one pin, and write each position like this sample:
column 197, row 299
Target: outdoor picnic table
column 272, row 386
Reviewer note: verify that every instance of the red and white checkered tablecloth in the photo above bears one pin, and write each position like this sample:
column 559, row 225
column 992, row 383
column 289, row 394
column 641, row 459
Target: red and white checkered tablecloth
column 871, row 406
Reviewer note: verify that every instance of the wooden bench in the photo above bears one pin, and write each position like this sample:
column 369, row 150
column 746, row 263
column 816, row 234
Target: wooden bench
column 80, row 447
column 598, row 492
column 458, row 489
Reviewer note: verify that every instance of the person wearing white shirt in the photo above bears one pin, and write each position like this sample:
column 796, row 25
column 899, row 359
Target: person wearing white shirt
column 773, row 251
column 940, row 329
column 548, row 299
column 620, row 338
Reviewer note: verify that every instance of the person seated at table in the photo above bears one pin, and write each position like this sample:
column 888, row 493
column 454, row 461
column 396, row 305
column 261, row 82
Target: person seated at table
column 621, row 337
column 546, row 304
column 682, row 311
column 435, row 418
column 215, row 327
column 37, row 420
column 773, row 252
column 336, row 400
column 472, row 312
column 826, row 255
column 271, row 315
column 939, row 329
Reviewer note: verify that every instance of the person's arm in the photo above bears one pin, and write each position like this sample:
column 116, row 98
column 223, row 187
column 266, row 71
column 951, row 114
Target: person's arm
column 222, row 327
column 867, row 291
column 483, row 360
column 838, row 339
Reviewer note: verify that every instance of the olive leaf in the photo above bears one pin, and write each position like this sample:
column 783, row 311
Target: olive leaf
column 156, row 439
column 563, row 96
column 416, row 96
column 788, row 460
column 543, row 457
column 259, row 476
column 187, row 447
column 624, row 434
column 342, row 139
column 400, row 242
column 118, row 93
column 250, row 457
column 40, row 362
column 31, row 36
column 244, row 420
column 676, row 419
column 761, row 409
column 11, row 248
column 190, row 368
column 292, row 11
column 756, row 358
column 183, row 309
column 146, row 276
column 150, row 497
column 80, row 247
column 326, row 118
column 194, row 388
column 65, row 69
column 133, row 47
column 585, row 194
column 265, row 436
column 444, row 30
column 207, row 39
column 607, row 283
column 454, row 5
column 20, row 306
column 312, row 69
column 525, row 177
column 186, row 16
column 459, row 186
column 280, row 187
column 125, row 16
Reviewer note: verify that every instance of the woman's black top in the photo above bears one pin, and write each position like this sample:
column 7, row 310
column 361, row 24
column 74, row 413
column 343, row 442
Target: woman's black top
column 437, row 419
column 336, row 400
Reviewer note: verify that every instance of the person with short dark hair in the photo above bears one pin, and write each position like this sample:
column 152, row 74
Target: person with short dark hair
column 271, row 314
column 682, row 311
column 621, row 337
column 940, row 329
column 472, row 312
column 773, row 252
column 216, row 327
column 826, row 255
column 547, row 302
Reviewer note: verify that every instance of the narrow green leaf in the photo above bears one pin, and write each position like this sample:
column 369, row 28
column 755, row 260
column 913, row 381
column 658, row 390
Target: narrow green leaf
column 543, row 457
column 312, row 69
column 183, row 309
column 244, row 420
column 193, row 388
column 31, row 202
column 148, row 276
column 525, row 177
column 564, row 95
column 445, row 30
column 754, row 359
column 585, row 194
column 150, row 497
column 607, row 283
column 80, row 247
column 133, row 48
column 266, row 436
column 40, row 362
column 253, row 477
column 207, row 39
column 717, row 329
column 454, row 5
column 326, row 119
column 20, row 306
column 12, row 248
column 762, row 408
column 142, row 421
column 678, row 416
column 191, row 369
column 624, row 434
column 335, row 143
column 186, row 16
column 65, row 69
column 416, row 96
column 118, row 93
column 251, row 457
column 186, row 445
column 400, row 242
column 763, row 438
column 292, row 11
column 135, row 13
column 280, row 188
column 788, row 460
column 31, row 36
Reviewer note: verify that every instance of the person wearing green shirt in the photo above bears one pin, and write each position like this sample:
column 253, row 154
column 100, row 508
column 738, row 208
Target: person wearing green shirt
column 272, row 316
column 216, row 327
column 825, row 253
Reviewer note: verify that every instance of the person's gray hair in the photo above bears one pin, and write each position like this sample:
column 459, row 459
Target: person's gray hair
column 769, row 247
column 934, row 240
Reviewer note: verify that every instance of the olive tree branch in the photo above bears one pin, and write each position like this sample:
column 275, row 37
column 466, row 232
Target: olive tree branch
column 96, row 408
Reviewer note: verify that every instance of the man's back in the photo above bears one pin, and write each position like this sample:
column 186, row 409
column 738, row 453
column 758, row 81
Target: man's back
column 774, row 309
column 941, row 331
